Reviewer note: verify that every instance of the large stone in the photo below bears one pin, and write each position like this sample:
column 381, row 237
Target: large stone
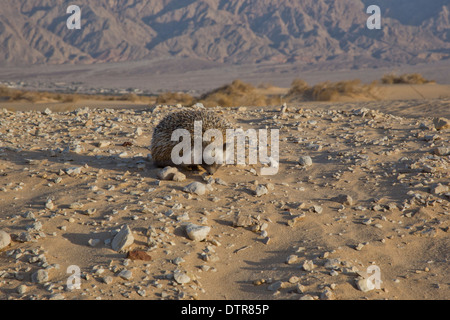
column 197, row 233
column 344, row 199
column 5, row 239
column 441, row 123
column 167, row 173
column 40, row 276
column 123, row 239
column 181, row 277
column 195, row 188
column 305, row 161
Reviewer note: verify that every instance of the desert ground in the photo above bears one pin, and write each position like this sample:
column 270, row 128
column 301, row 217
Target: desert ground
column 374, row 191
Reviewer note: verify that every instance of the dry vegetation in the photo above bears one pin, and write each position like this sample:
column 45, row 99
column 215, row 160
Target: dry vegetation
column 11, row 95
column 238, row 93
column 171, row 98
column 411, row 78
column 329, row 91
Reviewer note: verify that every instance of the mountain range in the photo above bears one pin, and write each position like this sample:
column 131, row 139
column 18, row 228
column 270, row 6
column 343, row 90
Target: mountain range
column 225, row 31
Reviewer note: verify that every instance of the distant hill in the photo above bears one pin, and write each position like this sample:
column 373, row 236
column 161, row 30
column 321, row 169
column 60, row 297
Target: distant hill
column 225, row 31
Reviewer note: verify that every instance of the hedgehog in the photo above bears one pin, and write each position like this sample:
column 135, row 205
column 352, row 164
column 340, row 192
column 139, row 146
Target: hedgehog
column 161, row 145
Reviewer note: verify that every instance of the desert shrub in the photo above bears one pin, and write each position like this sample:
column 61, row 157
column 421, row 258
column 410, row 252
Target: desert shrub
column 238, row 93
column 411, row 78
column 328, row 91
column 172, row 98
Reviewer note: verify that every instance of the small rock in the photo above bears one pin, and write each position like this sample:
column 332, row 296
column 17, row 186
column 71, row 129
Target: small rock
column 197, row 233
column 108, row 279
column 23, row 237
column 441, row 123
column 344, row 199
column 5, row 239
column 181, row 277
column 244, row 221
column 195, row 188
column 123, row 239
column 327, row 295
column 94, row 242
column 317, row 209
column 363, row 285
column 73, row 171
column 179, row 177
column 305, row 161
column 40, row 276
column 440, row 188
column 306, row 297
column 299, row 288
column 167, row 173
column 22, row 289
column 308, row 265
column 442, row 151
column 103, row 144
column 261, row 190
column 275, row 286
column 125, row 274
column 291, row 259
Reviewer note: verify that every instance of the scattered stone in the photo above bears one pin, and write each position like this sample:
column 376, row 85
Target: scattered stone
column 40, row 276
column 307, row 297
column 167, row 173
column 108, row 279
column 22, row 289
column 125, row 274
column 305, row 161
column 5, row 239
column 244, row 221
column 24, row 237
column 292, row 259
column 123, row 239
column 327, row 295
column 441, row 123
column 440, row 188
column 49, row 204
column 94, row 242
column 103, row 144
column 299, row 288
column 196, row 232
column 442, row 151
column 344, row 199
column 275, row 286
column 195, row 188
column 363, row 285
column 295, row 219
column 73, row 171
column 179, row 177
column 308, row 265
column 261, row 190
column 317, row 209
column 181, row 277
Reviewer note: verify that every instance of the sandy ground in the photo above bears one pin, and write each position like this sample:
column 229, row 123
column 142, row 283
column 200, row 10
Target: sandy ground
column 381, row 154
